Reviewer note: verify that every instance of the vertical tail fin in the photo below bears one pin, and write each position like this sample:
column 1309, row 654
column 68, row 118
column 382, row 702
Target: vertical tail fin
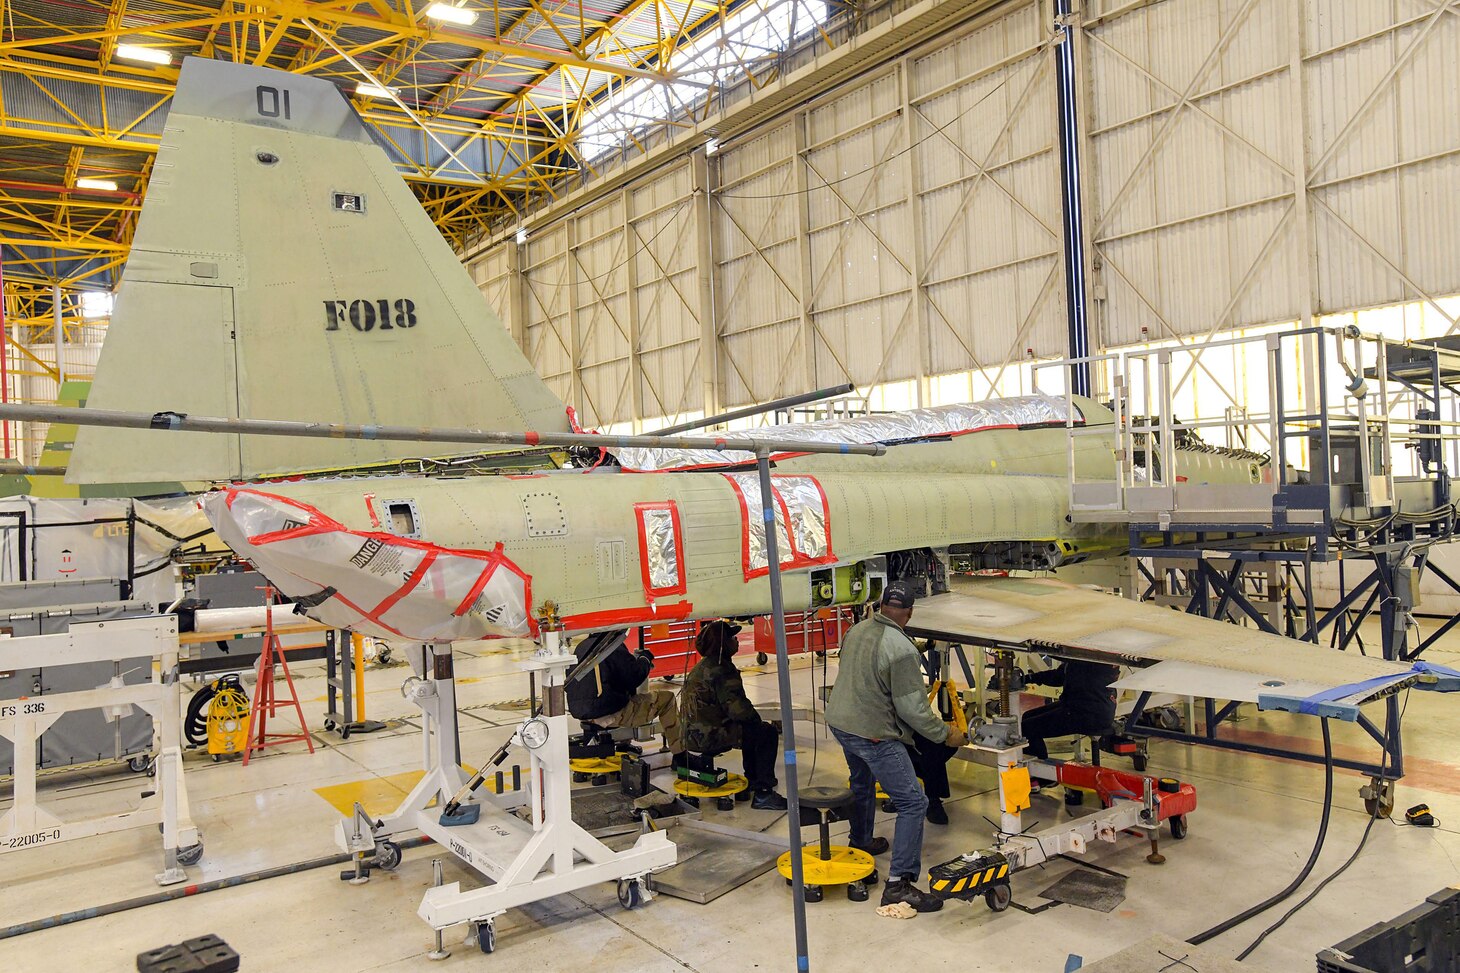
column 283, row 270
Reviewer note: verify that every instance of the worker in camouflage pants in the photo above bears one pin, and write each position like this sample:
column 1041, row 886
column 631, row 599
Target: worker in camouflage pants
column 718, row 716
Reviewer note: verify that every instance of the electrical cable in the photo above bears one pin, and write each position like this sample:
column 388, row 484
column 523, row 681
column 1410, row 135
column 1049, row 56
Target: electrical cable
column 184, row 891
column 1377, row 812
column 1302, row 876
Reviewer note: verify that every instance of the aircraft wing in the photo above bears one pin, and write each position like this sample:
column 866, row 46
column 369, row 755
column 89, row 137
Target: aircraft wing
column 1174, row 652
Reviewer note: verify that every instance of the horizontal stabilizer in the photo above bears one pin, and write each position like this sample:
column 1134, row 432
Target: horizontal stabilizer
column 282, row 269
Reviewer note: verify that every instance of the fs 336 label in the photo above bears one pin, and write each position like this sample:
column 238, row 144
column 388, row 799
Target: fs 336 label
column 383, row 314
column 30, row 707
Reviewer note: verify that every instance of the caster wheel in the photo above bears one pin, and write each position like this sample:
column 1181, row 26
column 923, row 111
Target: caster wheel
column 487, row 937
column 1178, row 827
column 217, row 757
column 1073, row 797
column 329, row 726
column 190, row 855
column 742, row 796
column 382, row 657
column 387, row 855
column 1377, row 808
column 580, row 778
column 857, row 892
column 140, row 763
column 1139, row 761
column 691, row 801
column 813, row 893
column 630, row 895
column 345, row 733
column 789, row 883
column 888, row 807
column 600, row 779
column 725, row 803
column 872, row 879
column 999, row 897
column 761, row 658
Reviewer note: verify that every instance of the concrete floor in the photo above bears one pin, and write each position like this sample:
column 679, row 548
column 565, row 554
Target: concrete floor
column 1252, row 831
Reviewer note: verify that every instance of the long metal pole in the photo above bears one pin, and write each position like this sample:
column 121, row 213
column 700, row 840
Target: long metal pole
column 755, row 410
column 788, row 727
column 178, row 422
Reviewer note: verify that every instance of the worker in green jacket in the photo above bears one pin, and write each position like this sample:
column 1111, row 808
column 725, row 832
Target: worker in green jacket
column 717, row 716
column 878, row 703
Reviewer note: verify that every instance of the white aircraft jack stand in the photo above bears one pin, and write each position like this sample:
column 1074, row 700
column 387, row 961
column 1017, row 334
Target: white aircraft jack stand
column 526, row 860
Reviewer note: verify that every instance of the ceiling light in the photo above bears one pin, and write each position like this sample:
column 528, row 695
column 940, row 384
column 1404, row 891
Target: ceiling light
column 712, row 146
column 521, row 235
column 107, row 185
column 147, row 55
column 373, row 90
column 450, row 14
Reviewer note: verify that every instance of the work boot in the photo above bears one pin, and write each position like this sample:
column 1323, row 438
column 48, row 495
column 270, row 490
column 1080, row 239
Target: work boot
column 936, row 812
column 877, row 846
column 903, row 890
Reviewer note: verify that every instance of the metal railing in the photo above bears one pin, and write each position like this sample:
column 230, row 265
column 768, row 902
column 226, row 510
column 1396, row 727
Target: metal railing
column 1349, row 419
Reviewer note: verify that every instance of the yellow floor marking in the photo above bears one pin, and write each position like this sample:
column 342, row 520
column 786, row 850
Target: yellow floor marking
column 382, row 795
column 378, row 795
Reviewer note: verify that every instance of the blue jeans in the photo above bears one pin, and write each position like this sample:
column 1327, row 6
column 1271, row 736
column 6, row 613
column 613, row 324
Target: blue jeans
column 888, row 763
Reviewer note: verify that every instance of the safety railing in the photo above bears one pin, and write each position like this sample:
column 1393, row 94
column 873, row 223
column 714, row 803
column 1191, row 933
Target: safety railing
column 1300, row 425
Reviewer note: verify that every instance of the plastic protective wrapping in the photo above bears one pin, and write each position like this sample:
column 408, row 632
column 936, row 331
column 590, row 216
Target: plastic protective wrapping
column 801, row 504
column 894, row 427
column 373, row 583
column 659, row 548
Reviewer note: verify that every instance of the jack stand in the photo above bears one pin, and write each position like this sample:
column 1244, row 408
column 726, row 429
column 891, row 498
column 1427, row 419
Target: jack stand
column 527, row 856
column 1155, row 857
column 440, row 952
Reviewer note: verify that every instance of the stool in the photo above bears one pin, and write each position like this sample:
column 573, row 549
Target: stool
column 829, row 864
column 597, row 769
column 701, row 778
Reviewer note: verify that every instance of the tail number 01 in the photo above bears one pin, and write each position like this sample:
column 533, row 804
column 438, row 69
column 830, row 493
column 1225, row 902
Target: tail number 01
column 366, row 315
column 271, row 102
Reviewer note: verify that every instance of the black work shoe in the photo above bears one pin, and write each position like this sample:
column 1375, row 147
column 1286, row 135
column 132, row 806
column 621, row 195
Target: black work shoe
column 903, row 890
column 936, row 812
column 768, row 801
column 877, row 846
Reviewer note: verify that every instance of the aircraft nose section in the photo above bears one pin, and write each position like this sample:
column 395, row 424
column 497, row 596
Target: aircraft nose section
column 369, row 582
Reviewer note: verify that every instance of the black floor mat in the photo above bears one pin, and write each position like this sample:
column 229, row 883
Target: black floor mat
column 1098, row 891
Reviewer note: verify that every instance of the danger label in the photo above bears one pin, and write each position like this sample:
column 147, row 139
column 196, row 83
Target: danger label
column 379, row 558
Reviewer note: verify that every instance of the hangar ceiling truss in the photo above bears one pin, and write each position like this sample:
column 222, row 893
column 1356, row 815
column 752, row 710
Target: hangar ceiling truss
column 482, row 117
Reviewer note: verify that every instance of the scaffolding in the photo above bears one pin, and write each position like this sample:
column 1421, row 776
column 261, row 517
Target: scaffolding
column 1351, row 439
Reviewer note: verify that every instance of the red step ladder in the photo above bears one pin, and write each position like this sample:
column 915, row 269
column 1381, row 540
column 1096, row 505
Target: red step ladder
column 265, row 703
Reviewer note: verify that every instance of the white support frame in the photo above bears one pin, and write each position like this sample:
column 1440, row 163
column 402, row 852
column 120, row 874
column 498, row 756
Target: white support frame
column 526, row 860
column 23, row 720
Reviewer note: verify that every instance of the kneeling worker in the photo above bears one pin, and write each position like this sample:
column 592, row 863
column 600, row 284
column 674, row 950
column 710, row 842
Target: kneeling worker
column 718, row 716
column 609, row 695
column 878, row 703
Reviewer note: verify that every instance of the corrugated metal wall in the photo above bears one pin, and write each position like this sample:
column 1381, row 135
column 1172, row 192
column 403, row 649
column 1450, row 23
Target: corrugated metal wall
column 1258, row 161
column 1247, row 162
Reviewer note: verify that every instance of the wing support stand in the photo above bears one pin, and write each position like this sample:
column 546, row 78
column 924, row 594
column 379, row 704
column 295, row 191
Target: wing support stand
column 519, row 832
column 1131, row 803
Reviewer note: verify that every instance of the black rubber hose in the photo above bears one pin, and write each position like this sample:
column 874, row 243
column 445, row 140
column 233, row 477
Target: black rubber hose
column 183, row 891
column 1292, row 887
column 195, row 724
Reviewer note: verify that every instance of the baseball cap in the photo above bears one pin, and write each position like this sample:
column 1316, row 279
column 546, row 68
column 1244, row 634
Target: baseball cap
column 898, row 594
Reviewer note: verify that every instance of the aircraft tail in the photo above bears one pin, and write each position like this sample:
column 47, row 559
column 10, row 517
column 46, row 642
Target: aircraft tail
column 282, row 269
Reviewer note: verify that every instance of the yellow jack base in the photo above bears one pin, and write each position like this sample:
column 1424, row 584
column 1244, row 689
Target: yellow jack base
column 846, row 865
column 597, row 765
column 734, row 784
